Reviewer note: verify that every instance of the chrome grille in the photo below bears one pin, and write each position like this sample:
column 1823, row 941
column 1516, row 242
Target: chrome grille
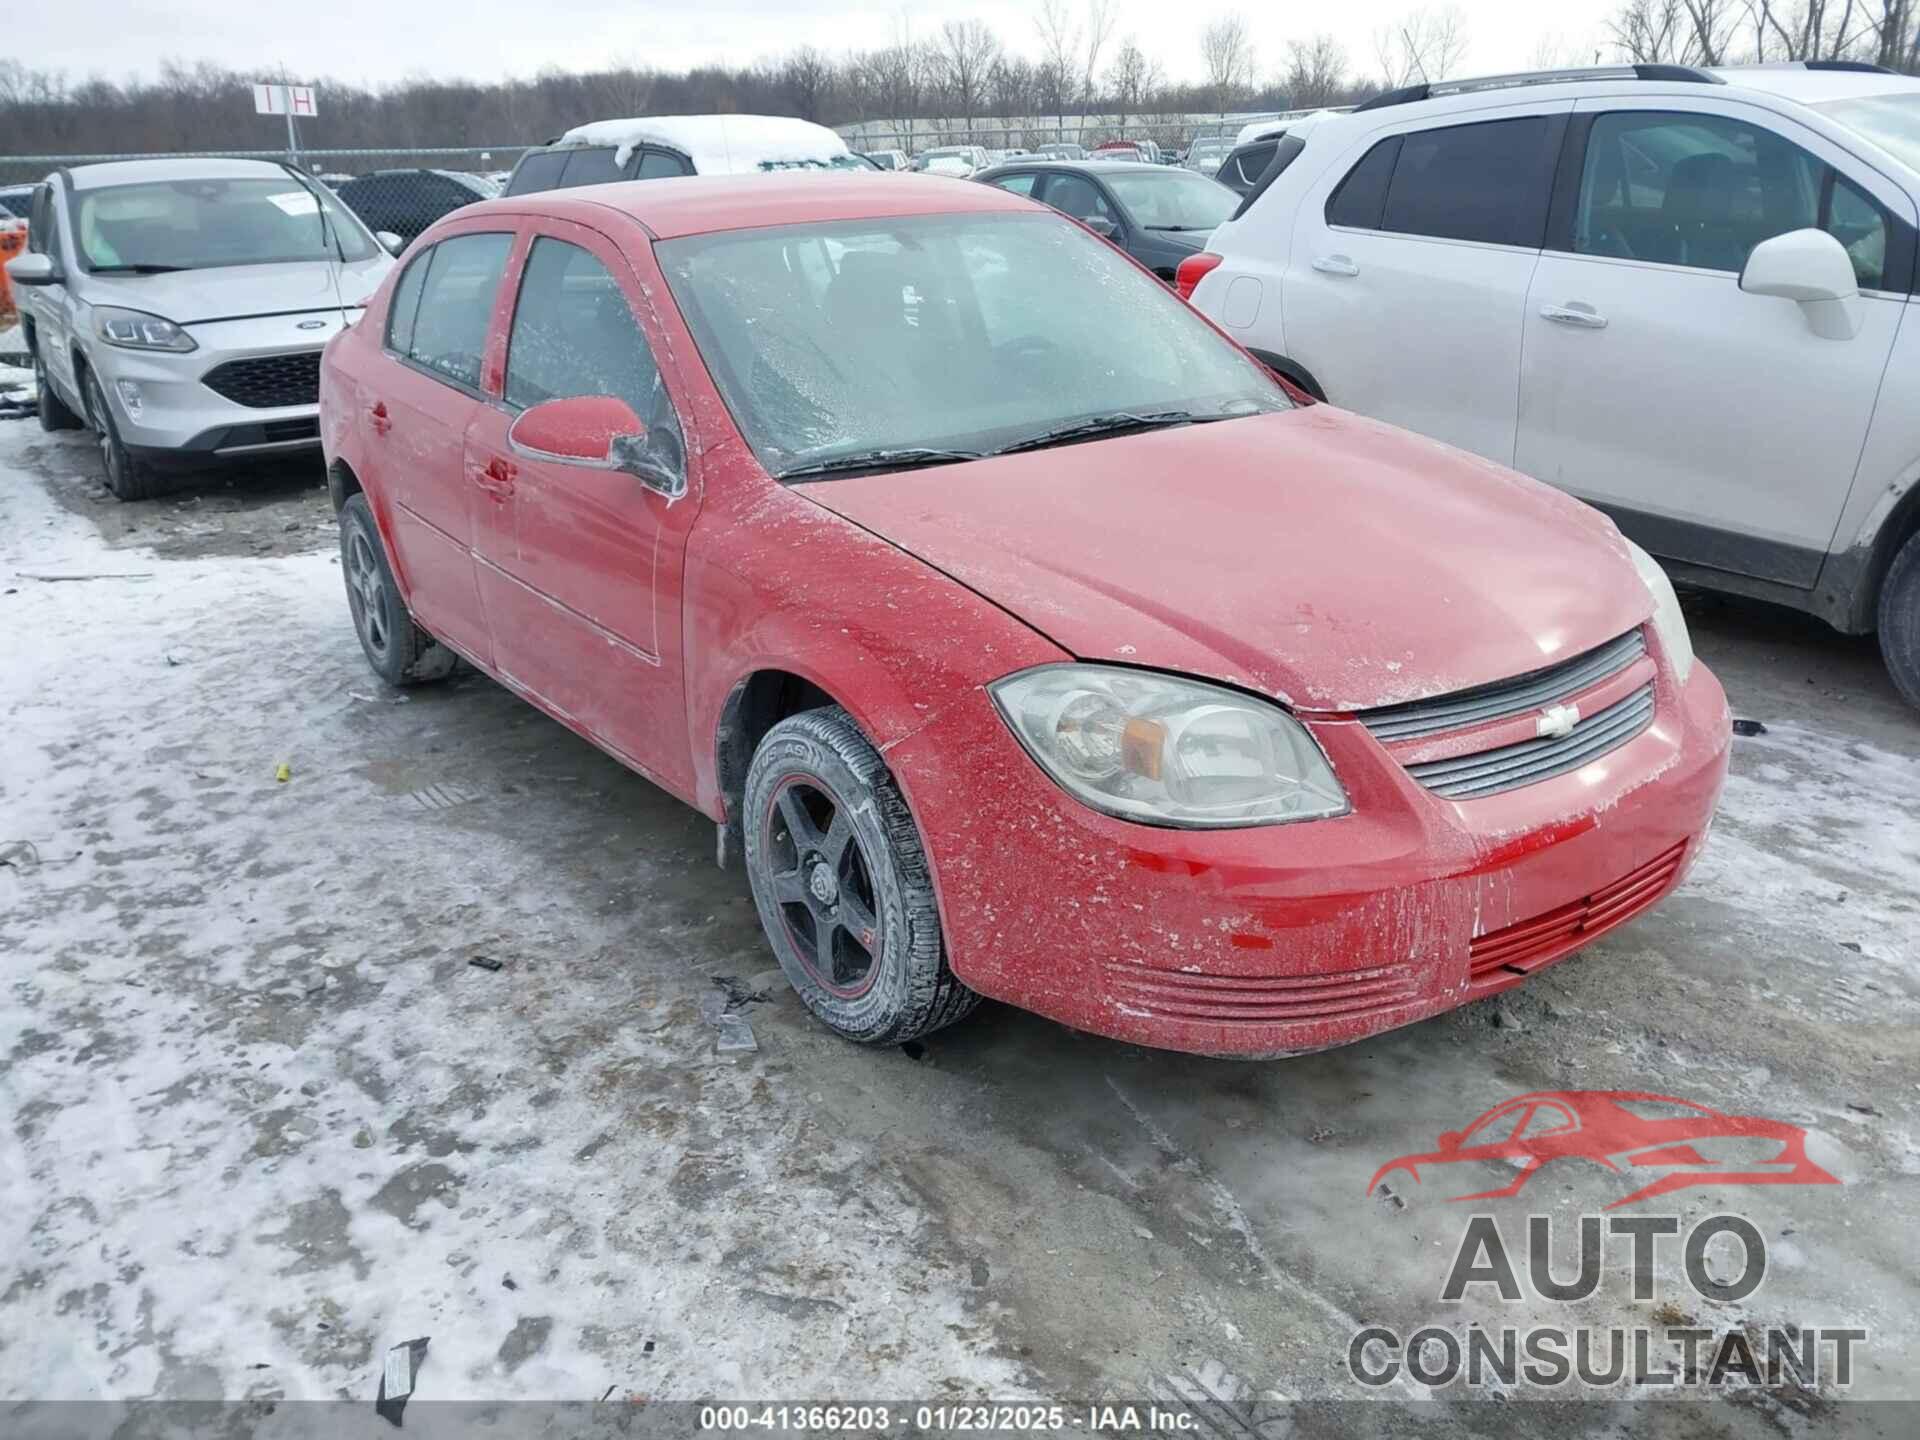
column 1511, row 766
column 1505, row 698
column 266, row 382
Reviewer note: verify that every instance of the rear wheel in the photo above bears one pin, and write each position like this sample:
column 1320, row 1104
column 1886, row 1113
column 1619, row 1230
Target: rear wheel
column 54, row 414
column 400, row 652
column 1900, row 621
column 842, row 885
column 127, row 477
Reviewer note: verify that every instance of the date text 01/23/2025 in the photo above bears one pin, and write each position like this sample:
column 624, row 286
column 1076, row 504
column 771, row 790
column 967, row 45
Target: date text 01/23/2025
column 986, row 1418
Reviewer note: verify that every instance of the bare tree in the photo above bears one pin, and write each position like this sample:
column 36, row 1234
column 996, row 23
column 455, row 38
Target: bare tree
column 807, row 79
column 1226, row 55
column 1011, row 87
column 1059, row 56
column 1133, row 76
column 1097, row 31
column 967, row 50
column 1673, row 32
column 1316, row 72
column 1424, row 45
column 1556, row 52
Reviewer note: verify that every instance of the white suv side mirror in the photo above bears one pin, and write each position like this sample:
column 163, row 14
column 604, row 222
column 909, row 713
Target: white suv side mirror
column 1812, row 268
column 33, row 268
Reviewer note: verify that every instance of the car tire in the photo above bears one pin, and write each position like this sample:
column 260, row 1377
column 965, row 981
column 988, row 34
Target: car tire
column 127, row 477
column 54, row 414
column 400, row 652
column 842, row 883
column 1900, row 620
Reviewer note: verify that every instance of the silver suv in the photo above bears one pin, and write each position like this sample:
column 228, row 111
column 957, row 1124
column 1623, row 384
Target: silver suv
column 178, row 308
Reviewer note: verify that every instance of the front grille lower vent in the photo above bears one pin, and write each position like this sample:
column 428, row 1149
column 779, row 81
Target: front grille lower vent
column 1505, row 698
column 266, row 382
column 1531, row 761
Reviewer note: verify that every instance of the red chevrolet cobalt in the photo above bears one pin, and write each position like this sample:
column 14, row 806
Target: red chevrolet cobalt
column 1024, row 636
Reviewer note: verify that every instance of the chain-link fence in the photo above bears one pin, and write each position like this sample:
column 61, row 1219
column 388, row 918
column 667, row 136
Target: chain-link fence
column 1172, row 135
column 403, row 191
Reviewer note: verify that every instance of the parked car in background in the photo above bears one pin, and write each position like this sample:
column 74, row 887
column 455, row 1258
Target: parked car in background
column 1206, row 154
column 1687, row 296
column 888, row 159
column 955, row 160
column 919, row 539
column 1158, row 215
column 658, row 147
column 15, row 201
column 1142, row 150
column 405, row 202
column 178, row 308
column 1060, row 152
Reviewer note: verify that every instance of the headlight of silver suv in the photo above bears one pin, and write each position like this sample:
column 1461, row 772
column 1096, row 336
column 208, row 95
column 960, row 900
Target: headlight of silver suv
column 1165, row 750
column 1668, row 621
column 136, row 330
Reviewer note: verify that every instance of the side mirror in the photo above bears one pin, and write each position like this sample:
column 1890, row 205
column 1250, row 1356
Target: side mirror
column 34, row 268
column 389, row 241
column 1101, row 226
column 596, row 432
column 1813, row 269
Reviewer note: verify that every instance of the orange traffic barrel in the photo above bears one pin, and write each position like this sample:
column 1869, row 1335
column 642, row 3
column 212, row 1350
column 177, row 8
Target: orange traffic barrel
column 13, row 241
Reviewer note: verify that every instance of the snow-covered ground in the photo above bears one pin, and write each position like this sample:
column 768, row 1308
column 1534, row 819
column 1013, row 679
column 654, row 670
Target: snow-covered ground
column 263, row 1119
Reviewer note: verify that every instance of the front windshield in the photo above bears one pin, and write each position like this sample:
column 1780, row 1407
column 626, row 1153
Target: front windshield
column 954, row 332
column 1890, row 121
column 204, row 224
column 1174, row 199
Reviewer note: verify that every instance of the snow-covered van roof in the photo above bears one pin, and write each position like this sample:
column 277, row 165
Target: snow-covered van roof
column 717, row 144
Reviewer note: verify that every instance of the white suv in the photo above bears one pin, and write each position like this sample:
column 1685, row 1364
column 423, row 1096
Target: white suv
column 1687, row 296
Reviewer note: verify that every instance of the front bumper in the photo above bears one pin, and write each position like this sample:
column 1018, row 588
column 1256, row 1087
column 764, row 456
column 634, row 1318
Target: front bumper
column 1291, row 938
column 179, row 420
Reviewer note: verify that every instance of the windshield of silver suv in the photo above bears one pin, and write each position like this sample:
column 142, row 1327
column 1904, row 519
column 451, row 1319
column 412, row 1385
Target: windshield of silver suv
column 934, row 338
column 205, row 224
column 1890, row 121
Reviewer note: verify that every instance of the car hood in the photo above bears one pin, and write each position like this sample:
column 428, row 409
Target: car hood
column 1195, row 240
column 191, row 297
column 1330, row 561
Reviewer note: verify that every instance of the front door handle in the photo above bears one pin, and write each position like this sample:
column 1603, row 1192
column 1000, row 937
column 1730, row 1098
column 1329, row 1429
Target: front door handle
column 1335, row 265
column 378, row 417
column 496, row 477
column 1575, row 313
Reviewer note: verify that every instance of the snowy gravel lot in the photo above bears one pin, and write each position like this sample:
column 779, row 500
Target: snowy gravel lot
column 263, row 1119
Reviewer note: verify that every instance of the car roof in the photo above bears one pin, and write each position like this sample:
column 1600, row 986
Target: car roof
column 701, row 204
column 1813, row 87
column 1089, row 165
column 135, row 172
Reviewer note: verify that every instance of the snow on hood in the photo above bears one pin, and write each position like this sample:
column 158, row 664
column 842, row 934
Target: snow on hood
column 1328, row 560
column 717, row 144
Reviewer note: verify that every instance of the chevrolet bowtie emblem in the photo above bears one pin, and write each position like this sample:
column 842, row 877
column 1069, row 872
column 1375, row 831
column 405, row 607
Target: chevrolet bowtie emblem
column 1557, row 720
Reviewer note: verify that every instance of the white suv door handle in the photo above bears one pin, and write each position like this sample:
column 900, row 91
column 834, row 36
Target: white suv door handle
column 1335, row 265
column 1585, row 316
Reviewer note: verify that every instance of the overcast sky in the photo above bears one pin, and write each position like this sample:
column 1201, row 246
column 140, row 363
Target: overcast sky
column 381, row 41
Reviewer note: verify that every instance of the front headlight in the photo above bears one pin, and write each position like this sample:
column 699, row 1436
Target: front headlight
column 1668, row 621
column 136, row 330
column 1164, row 750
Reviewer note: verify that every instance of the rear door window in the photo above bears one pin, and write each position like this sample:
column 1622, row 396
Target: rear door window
column 1358, row 200
column 538, row 171
column 592, row 166
column 406, row 304
column 456, row 305
column 1488, row 181
column 662, row 165
column 1018, row 184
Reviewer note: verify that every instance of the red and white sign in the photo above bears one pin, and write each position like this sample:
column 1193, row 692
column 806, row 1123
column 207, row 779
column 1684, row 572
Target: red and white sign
column 284, row 100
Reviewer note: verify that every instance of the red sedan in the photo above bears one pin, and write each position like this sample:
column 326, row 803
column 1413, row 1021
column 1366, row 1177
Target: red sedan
column 1025, row 637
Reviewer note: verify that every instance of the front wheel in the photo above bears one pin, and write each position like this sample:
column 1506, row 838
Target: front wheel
column 127, row 477
column 400, row 652
column 842, row 884
column 1900, row 621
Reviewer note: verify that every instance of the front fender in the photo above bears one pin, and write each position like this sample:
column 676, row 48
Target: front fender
column 775, row 582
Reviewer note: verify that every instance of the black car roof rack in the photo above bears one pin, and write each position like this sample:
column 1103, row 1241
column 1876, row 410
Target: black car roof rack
column 1858, row 67
column 1431, row 90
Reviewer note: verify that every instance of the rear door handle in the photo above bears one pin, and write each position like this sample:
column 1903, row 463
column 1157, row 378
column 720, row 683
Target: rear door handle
column 1575, row 313
column 379, row 418
column 1335, row 265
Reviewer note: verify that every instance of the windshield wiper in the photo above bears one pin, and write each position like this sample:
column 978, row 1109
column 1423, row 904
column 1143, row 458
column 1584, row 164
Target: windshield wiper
column 138, row 269
column 905, row 458
column 1100, row 425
